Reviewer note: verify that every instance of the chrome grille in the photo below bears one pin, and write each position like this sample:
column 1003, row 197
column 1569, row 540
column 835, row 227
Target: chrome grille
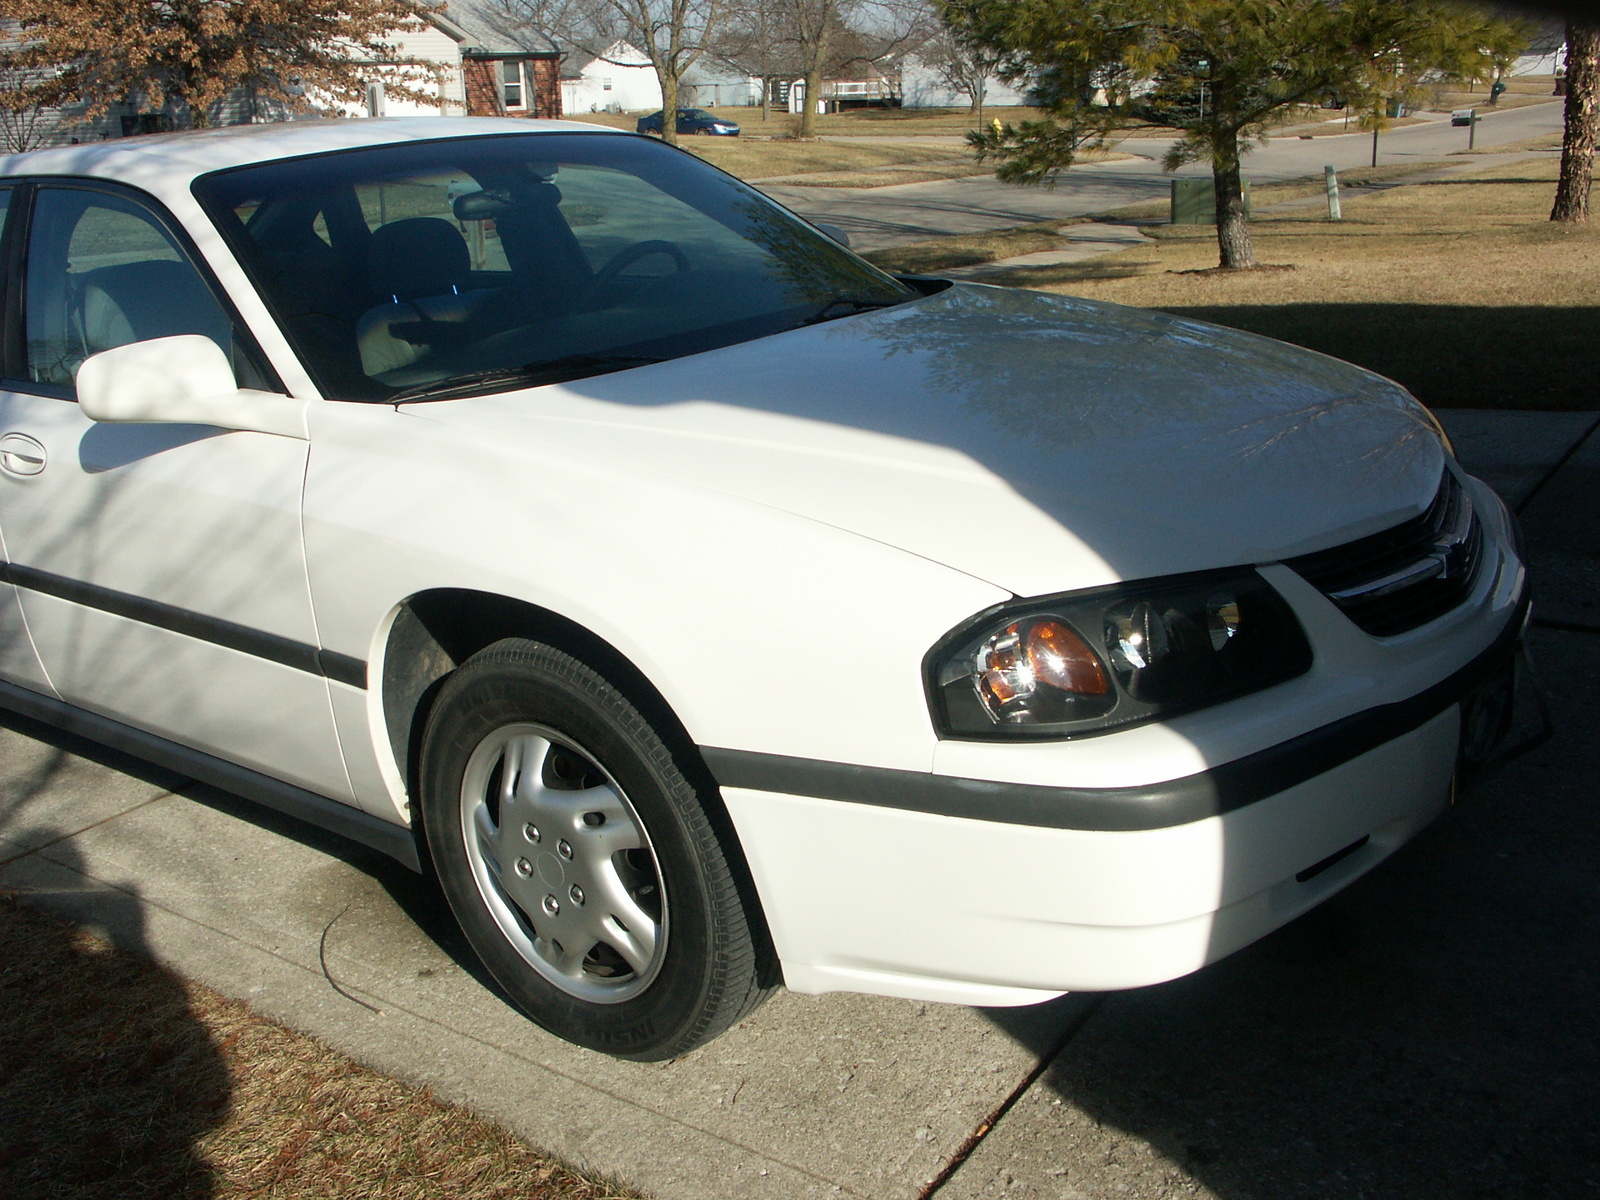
column 1408, row 575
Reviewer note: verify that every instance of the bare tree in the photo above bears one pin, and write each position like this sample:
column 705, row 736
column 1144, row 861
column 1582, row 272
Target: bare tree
column 672, row 34
column 964, row 67
column 25, row 124
column 811, row 31
column 1583, row 122
column 754, row 38
column 830, row 34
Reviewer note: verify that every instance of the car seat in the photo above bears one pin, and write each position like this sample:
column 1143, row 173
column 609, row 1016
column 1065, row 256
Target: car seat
column 134, row 302
column 420, row 271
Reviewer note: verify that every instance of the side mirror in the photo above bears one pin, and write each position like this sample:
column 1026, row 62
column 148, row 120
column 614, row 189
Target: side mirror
column 834, row 232
column 183, row 380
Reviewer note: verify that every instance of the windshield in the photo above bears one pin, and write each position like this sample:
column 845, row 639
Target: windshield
column 430, row 268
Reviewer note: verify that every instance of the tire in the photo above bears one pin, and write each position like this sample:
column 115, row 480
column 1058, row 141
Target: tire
column 580, row 860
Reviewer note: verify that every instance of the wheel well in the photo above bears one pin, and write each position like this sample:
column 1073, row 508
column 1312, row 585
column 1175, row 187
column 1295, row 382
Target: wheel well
column 436, row 631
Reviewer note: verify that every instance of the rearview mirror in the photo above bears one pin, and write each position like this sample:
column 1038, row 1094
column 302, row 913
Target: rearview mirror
column 480, row 206
column 183, row 380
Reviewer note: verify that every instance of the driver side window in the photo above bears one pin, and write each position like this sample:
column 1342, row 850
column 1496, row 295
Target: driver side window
column 102, row 272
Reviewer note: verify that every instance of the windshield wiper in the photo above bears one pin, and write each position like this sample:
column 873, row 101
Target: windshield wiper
column 844, row 306
column 552, row 370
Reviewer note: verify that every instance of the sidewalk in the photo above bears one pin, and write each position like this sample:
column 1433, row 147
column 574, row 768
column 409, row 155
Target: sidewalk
column 1427, row 1034
column 1080, row 242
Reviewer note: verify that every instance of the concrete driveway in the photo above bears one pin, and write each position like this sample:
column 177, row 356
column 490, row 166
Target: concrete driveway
column 1429, row 1033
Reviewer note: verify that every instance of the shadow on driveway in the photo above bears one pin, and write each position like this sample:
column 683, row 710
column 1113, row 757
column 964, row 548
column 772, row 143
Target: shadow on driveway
column 108, row 1081
column 1428, row 1033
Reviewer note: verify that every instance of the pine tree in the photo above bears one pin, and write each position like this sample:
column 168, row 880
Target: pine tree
column 1217, row 70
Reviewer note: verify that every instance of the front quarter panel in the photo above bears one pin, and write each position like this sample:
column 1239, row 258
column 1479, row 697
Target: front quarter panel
column 762, row 630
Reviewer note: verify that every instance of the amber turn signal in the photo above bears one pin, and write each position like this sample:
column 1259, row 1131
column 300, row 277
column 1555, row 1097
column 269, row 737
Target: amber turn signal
column 1063, row 659
column 1025, row 655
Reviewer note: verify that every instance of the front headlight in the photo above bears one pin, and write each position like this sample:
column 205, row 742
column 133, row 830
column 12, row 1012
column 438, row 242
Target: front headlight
column 1088, row 662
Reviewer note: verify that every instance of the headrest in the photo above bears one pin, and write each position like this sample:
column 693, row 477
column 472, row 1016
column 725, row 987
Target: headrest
column 419, row 256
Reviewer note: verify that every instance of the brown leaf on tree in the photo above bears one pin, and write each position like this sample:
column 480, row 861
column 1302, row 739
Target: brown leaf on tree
column 302, row 55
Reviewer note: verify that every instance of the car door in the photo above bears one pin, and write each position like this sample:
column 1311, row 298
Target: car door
column 19, row 664
column 159, row 567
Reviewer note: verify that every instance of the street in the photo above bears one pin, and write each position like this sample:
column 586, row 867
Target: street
column 876, row 218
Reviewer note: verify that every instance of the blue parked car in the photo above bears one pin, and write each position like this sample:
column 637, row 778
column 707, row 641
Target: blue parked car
column 691, row 120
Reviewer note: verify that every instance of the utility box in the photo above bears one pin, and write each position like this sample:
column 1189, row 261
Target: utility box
column 1194, row 201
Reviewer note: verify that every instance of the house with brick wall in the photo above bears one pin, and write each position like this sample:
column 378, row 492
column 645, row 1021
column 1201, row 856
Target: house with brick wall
column 486, row 63
column 474, row 58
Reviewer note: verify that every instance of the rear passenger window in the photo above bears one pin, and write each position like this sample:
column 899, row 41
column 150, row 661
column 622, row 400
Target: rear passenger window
column 102, row 272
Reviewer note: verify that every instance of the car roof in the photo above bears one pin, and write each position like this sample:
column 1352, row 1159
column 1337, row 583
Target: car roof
column 169, row 161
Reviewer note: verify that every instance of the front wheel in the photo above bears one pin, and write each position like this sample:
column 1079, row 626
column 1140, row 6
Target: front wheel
column 579, row 858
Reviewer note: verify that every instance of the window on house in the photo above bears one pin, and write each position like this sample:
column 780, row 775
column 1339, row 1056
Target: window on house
column 511, row 83
column 605, row 85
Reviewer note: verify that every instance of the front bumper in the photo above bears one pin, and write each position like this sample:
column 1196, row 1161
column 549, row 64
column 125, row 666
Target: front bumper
column 975, row 892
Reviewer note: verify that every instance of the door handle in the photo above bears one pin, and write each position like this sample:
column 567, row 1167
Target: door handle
column 21, row 454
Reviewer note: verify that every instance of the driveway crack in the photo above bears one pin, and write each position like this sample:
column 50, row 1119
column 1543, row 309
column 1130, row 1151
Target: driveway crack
column 987, row 1125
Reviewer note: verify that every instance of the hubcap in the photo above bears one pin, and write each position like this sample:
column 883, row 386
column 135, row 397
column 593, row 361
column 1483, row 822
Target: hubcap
column 564, row 864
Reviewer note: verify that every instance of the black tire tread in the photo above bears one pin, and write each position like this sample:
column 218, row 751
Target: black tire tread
column 738, row 981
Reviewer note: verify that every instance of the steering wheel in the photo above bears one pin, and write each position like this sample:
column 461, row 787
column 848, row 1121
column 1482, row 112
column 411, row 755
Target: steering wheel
column 629, row 255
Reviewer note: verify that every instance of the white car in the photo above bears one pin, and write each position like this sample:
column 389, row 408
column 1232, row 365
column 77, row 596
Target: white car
column 710, row 610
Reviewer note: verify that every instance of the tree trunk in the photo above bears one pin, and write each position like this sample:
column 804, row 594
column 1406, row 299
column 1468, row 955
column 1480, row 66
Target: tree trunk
column 1583, row 123
column 669, row 106
column 814, row 65
column 1233, row 228
column 808, row 113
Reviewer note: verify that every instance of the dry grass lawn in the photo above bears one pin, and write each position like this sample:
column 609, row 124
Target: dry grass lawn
column 825, row 164
column 861, row 122
column 118, row 1079
column 1462, row 290
column 1520, row 90
column 911, row 122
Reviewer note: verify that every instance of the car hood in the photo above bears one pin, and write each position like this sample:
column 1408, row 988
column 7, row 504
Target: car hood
column 1040, row 443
